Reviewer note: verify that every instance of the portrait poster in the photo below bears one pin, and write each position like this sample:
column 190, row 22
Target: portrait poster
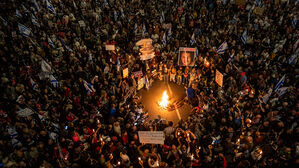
column 219, row 78
column 110, row 47
column 125, row 72
column 186, row 56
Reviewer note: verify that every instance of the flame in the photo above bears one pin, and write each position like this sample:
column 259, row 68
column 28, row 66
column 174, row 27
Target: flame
column 164, row 102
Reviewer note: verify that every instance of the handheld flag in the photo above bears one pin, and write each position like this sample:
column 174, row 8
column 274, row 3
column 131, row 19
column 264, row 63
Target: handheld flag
column 258, row 2
column 222, row 48
column 118, row 64
column 46, row 67
column 33, row 84
column 135, row 28
column 164, row 39
column 122, row 13
column 282, row 91
column 18, row 14
column 50, row 42
column 162, row 19
column 50, row 6
column 143, row 30
column 266, row 97
column 231, row 58
column 244, row 37
column 280, row 83
column 25, row 9
column 115, row 15
column 53, row 81
column 169, row 34
column 294, row 22
column 24, row 30
column 34, row 21
column 36, row 5
column 3, row 21
column 292, row 59
column 192, row 40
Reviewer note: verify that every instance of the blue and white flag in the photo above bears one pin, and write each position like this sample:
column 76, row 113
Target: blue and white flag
column 293, row 58
column 135, row 28
column 162, row 19
column 231, row 58
column 25, row 9
column 122, row 13
column 3, row 21
column 89, row 87
column 282, row 91
column 192, row 40
column 118, row 64
column 36, row 5
column 164, row 39
column 50, row 6
column 25, row 31
column 294, row 22
column 66, row 47
column 169, row 34
column 250, row 12
column 280, row 83
column 143, row 30
column 13, row 136
column 45, row 67
column 115, row 15
column 244, row 37
column 34, row 21
column 33, row 84
column 53, row 81
column 222, row 48
column 258, row 3
column 18, row 14
column 266, row 97
column 51, row 43
column 106, row 3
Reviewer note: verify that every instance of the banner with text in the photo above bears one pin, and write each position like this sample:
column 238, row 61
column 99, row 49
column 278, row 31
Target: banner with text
column 151, row 137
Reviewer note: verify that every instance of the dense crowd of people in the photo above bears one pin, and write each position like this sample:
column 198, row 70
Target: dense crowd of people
column 65, row 102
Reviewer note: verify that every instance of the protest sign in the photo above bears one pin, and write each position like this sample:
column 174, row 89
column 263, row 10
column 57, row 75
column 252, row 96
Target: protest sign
column 219, row 78
column 186, row 56
column 125, row 72
column 151, row 137
column 110, row 47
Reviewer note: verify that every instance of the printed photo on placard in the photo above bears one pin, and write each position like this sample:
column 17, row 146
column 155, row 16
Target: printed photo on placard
column 186, row 56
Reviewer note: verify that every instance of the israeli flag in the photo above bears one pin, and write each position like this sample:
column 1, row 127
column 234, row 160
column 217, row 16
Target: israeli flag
column 51, row 43
column 294, row 22
column 115, row 15
column 222, row 48
column 3, row 21
column 25, row 9
column 250, row 12
column 292, row 59
column 135, row 28
column 244, row 37
column 258, row 2
column 18, row 14
column 50, row 6
column 122, row 13
column 143, row 30
column 24, row 30
column 169, row 34
column 36, row 5
column 192, row 40
column 33, row 84
column 34, row 21
column 46, row 67
column 164, row 39
column 118, row 64
column 13, row 135
column 89, row 87
column 53, row 81
column 282, row 91
column 280, row 83
column 162, row 19
column 106, row 3
column 66, row 47
column 266, row 97
column 231, row 58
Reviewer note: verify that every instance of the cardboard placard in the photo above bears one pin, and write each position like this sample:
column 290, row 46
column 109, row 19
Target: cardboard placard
column 186, row 56
column 110, row 47
column 125, row 73
column 137, row 74
column 151, row 137
column 219, row 78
